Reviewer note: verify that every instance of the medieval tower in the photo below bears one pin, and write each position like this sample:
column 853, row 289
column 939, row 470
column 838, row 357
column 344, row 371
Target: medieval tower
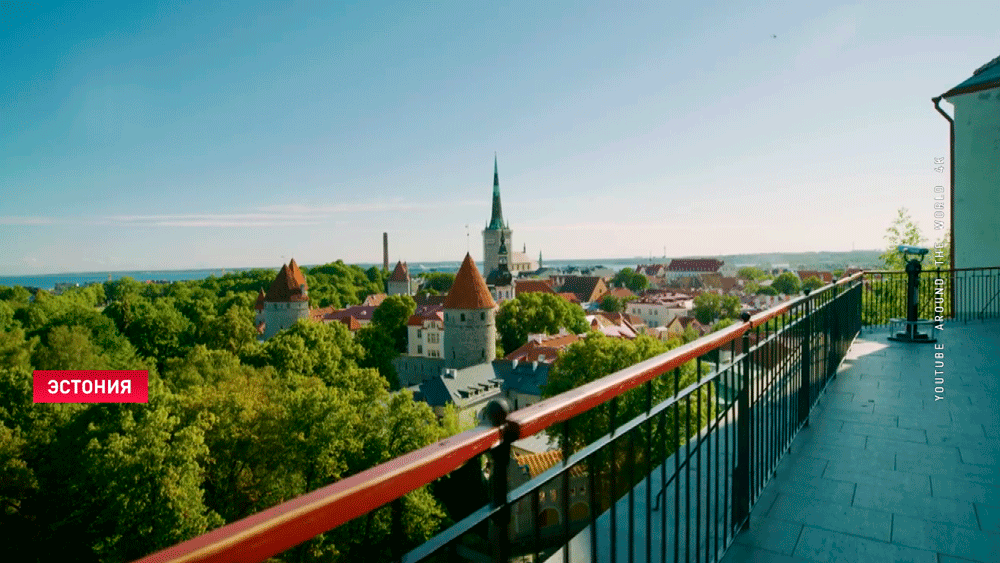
column 286, row 301
column 399, row 281
column 470, row 336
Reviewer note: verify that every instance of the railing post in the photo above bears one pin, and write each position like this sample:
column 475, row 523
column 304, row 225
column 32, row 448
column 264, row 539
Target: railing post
column 496, row 414
column 834, row 336
column 806, row 361
column 397, row 547
column 741, row 473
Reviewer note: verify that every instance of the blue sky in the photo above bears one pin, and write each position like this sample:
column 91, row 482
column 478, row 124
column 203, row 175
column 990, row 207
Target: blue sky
column 157, row 135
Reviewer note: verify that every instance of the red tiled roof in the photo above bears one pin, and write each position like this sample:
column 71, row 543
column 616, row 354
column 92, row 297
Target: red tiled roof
column 420, row 317
column 695, row 265
column 358, row 312
column 288, row 286
column 375, row 299
column 401, row 273
column 469, row 290
column 352, row 323
column 320, row 314
column 539, row 463
column 259, row 306
column 548, row 347
column 533, row 286
column 571, row 297
column 825, row 277
column 622, row 292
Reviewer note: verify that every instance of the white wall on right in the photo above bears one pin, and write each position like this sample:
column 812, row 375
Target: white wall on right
column 977, row 179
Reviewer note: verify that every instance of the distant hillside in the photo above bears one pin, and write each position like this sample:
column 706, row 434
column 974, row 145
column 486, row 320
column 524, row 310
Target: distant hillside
column 809, row 260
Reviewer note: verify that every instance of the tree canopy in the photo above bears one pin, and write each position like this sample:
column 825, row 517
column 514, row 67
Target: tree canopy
column 710, row 306
column 787, row 283
column 232, row 426
column 536, row 312
column 812, row 283
column 752, row 273
column 631, row 279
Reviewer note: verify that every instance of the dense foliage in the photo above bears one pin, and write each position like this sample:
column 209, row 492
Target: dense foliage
column 631, row 279
column 710, row 306
column 534, row 313
column 232, row 426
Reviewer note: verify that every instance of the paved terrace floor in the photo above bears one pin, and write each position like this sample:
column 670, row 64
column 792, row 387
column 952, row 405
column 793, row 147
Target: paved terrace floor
column 885, row 472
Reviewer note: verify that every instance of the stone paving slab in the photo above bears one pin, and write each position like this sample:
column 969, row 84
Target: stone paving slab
column 925, row 472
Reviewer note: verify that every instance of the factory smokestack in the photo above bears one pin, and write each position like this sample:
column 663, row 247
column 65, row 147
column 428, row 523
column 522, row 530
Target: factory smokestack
column 385, row 251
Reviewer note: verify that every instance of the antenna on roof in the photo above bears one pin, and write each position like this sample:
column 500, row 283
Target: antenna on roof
column 467, row 250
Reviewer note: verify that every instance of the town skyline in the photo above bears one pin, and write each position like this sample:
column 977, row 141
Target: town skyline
column 167, row 137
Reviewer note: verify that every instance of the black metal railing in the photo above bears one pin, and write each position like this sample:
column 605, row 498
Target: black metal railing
column 959, row 295
column 685, row 453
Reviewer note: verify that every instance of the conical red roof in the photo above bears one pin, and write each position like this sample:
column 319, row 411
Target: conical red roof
column 469, row 290
column 400, row 274
column 289, row 285
column 259, row 306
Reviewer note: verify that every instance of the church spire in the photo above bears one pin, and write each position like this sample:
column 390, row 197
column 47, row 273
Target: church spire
column 496, row 220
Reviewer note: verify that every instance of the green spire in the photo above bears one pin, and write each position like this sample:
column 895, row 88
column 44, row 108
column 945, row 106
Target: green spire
column 496, row 220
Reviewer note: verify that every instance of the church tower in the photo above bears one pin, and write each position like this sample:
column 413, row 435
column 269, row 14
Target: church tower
column 500, row 281
column 470, row 335
column 497, row 229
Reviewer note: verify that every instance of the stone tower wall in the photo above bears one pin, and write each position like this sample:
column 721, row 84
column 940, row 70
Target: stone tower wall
column 472, row 341
column 279, row 316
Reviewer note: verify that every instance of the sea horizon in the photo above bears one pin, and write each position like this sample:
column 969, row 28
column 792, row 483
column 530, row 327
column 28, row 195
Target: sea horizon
column 49, row 281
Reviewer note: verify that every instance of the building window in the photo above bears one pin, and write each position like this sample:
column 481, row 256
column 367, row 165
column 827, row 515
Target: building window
column 463, row 317
column 419, row 333
column 420, row 349
column 482, row 316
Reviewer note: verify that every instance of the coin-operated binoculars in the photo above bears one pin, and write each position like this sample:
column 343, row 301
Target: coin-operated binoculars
column 913, row 256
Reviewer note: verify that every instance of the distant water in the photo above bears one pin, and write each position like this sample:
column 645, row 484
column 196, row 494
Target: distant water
column 49, row 281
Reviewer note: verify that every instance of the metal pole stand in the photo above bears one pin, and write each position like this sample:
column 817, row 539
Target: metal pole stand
column 912, row 323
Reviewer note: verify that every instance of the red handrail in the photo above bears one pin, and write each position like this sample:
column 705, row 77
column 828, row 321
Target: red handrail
column 279, row 528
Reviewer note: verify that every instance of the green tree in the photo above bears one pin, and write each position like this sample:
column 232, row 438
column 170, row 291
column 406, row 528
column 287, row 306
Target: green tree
column 611, row 304
column 323, row 350
column 812, row 283
column 159, row 331
column 766, row 290
column 69, row 348
column 439, row 282
column 787, row 283
column 380, row 351
column 531, row 313
column 631, row 279
column 730, row 307
column 707, row 307
column 232, row 331
column 16, row 294
column 903, row 230
column 752, row 273
column 391, row 316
